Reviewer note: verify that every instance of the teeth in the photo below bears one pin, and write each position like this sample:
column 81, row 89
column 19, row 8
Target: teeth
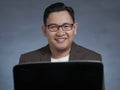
column 60, row 40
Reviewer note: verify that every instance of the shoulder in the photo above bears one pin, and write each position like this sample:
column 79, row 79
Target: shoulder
column 33, row 56
column 85, row 53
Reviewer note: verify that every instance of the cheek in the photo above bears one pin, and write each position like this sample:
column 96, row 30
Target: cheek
column 50, row 36
column 71, row 34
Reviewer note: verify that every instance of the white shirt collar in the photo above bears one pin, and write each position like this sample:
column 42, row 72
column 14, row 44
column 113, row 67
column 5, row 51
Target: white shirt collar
column 63, row 59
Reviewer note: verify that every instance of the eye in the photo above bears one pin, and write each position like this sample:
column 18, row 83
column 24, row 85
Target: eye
column 66, row 26
column 52, row 26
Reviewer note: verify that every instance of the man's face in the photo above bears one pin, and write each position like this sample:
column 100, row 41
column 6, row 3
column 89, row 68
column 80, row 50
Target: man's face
column 60, row 39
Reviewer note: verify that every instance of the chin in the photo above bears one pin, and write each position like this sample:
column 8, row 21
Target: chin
column 62, row 48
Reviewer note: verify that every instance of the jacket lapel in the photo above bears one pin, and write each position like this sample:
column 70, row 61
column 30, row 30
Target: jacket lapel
column 46, row 54
column 75, row 53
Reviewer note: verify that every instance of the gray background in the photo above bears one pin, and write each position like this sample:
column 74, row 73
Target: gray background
column 99, row 30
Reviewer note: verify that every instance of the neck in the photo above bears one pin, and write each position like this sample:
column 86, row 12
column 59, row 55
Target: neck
column 59, row 53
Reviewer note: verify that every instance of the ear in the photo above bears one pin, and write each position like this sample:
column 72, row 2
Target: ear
column 75, row 28
column 43, row 30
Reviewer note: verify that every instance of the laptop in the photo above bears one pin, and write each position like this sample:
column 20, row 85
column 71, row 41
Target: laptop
column 80, row 75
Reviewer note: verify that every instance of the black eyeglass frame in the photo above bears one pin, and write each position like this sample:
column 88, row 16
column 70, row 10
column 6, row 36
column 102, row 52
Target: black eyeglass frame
column 55, row 27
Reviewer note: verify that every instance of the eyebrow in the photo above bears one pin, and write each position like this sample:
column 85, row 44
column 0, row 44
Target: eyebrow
column 58, row 24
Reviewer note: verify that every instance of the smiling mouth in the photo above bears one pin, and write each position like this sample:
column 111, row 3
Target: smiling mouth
column 60, row 40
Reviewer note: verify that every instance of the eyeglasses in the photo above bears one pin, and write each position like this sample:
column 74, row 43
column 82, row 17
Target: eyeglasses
column 55, row 27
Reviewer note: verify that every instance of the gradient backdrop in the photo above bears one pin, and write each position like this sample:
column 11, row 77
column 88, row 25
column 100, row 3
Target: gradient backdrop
column 99, row 30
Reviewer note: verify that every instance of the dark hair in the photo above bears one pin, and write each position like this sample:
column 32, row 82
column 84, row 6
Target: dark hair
column 59, row 6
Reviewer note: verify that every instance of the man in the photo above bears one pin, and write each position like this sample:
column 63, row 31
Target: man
column 59, row 28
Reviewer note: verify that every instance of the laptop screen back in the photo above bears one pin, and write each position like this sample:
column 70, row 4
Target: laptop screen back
column 66, row 75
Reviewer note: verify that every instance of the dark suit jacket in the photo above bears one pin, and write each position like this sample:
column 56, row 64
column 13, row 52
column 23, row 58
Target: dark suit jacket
column 43, row 54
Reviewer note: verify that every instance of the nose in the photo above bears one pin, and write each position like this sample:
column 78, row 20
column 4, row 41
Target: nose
column 60, row 32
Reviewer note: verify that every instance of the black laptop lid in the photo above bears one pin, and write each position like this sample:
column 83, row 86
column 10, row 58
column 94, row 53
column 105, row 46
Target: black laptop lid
column 64, row 75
